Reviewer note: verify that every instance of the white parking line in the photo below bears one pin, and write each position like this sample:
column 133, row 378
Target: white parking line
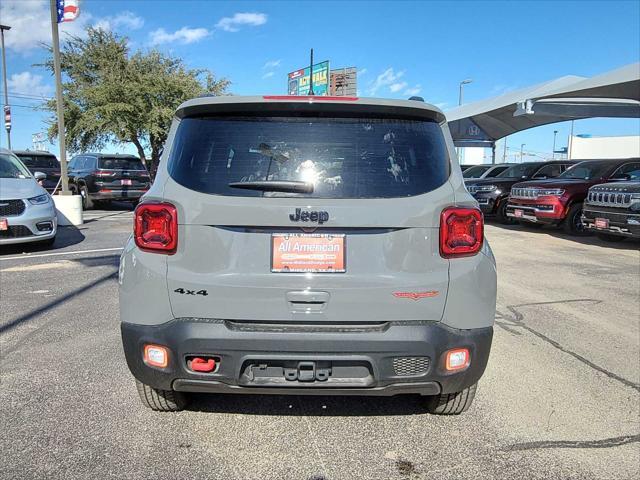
column 76, row 252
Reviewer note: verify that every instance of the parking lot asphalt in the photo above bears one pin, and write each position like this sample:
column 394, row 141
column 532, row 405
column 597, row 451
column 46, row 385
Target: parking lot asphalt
column 560, row 398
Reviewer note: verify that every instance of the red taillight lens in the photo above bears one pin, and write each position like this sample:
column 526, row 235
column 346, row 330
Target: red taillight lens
column 461, row 232
column 156, row 227
column 104, row 173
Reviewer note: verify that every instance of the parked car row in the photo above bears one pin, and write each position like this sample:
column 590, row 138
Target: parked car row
column 592, row 195
column 29, row 178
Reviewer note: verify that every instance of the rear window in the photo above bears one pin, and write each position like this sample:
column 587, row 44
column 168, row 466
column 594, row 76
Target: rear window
column 475, row 172
column 342, row 157
column 523, row 170
column 39, row 161
column 119, row 163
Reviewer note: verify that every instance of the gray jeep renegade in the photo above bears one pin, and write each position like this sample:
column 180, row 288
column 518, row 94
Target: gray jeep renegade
column 308, row 246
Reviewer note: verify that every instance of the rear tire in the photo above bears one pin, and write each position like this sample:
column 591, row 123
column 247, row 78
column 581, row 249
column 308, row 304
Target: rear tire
column 573, row 222
column 161, row 400
column 87, row 203
column 607, row 237
column 452, row 403
column 501, row 213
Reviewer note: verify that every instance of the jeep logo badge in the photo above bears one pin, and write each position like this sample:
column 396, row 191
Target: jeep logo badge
column 305, row 216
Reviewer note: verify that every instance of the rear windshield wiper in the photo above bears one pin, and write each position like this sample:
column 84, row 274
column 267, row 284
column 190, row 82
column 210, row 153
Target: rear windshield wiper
column 291, row 186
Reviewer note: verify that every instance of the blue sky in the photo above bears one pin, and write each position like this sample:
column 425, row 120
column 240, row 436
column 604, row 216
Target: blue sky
column 400, row 48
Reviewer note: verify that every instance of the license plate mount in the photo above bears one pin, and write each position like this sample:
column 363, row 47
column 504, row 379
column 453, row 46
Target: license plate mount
column 308, row 253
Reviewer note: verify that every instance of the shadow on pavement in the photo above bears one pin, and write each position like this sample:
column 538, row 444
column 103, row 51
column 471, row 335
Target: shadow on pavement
column 66, row 237
column 586, row 239
column 309, row 405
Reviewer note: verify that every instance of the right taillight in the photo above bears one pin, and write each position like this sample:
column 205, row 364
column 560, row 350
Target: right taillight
column 156, row 228
column 461, row 232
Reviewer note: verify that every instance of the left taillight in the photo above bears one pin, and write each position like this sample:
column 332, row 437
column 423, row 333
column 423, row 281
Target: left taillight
column 156, row 228
column 461, row 232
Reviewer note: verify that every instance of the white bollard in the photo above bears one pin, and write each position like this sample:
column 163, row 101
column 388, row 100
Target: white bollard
column 68, row 209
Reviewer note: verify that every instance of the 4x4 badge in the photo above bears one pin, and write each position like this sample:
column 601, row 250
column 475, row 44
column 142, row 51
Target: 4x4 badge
column 416, row 295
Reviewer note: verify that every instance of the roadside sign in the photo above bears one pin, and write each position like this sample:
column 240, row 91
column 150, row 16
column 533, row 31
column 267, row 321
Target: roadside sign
column 300, row 79
column 7, row 117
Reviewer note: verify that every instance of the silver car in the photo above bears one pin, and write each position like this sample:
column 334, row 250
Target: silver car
column 308, row 245
column 27, row 213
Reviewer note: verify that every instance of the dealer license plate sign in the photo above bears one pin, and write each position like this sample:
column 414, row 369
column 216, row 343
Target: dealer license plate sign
column 126, row 181
column 602, row 223
column 518, row 213
column 4, row 225
column 307, row 252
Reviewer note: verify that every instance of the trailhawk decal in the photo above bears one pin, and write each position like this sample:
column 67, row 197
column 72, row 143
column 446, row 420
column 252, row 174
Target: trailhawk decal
column 416, row 295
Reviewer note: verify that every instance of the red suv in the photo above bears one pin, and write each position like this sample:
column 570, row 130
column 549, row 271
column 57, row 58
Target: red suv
column 558, row 201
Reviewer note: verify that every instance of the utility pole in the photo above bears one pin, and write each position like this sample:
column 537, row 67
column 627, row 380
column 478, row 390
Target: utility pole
column 570, row 142
column 521, row 153
column 553, row 154
column 7, row 107
column 462, row 84
column 311, row 75
column 60, row 106
column 504, row 152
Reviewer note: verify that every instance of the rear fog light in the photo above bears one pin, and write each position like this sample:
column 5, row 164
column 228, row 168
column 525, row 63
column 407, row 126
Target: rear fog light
column 156, row 356
column 457, row 359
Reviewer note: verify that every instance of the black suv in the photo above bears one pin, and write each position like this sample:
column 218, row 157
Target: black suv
column 45, row 162
column 101, row 178
column 492, row 193
column 612, row 210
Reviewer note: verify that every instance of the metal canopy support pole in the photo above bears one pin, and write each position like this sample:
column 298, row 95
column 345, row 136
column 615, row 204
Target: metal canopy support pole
column 60, row 106
column 4, row 75
column 493, row 153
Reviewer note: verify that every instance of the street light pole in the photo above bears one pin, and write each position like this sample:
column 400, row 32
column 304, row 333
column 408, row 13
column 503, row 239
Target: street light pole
column 521, row 153
column 553, row 153
column 460, row 94
column 4, row 75
column 55, row 40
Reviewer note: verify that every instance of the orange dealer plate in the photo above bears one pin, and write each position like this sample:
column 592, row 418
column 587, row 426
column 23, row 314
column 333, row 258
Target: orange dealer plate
column 307, row 252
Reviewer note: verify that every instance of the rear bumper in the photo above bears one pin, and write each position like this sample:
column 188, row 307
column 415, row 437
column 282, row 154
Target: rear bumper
column 364, row 360
column 131, row 194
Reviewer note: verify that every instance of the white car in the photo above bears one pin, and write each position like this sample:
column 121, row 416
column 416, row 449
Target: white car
column 27, row 213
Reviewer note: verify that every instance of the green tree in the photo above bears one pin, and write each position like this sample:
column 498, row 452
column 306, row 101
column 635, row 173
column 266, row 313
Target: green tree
column 113, row 95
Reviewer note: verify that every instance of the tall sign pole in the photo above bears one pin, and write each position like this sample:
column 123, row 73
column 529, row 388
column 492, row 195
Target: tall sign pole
column 59, row 105
column 311, row 75
column 7, row 107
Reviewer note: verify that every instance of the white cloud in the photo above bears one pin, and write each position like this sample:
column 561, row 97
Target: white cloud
column 126, row 20
column 26, row 83
column 414, row 90
column 31, row 24
column 233, row 24
column 272, row 64
column 184, row 36
column 268, row 75
column 386, row 78
column 441, row 105
column 396, row 87
column 362, row 71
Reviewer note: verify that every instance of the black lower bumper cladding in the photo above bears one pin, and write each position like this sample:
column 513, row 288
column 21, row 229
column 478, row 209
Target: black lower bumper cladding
column 383, row 359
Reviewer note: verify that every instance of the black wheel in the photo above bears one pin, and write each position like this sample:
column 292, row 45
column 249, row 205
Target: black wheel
column 501, row 213
column 87, row 204
column 161, row 400
column 573, row 223
column 526, row 224
column 609, row 238
column 452, row 403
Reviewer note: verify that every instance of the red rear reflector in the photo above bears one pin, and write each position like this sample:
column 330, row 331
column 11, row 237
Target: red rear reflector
column 457, row 359
column 156, row 227
column 156, row 356
column 309, row 98
column 461, row 232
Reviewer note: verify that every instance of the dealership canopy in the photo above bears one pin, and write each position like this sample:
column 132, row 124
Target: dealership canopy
column 612, row 94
